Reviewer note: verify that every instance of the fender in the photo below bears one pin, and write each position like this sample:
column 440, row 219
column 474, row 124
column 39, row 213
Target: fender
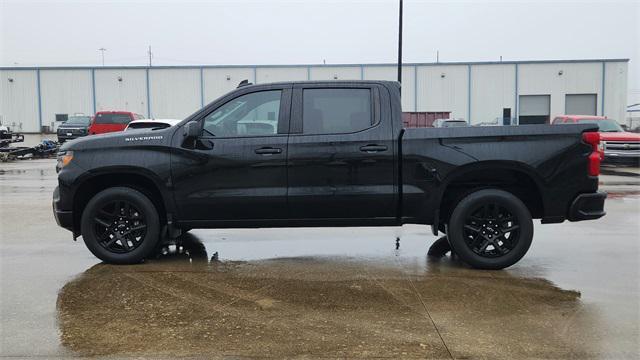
column 478, row 166
column 163, row 186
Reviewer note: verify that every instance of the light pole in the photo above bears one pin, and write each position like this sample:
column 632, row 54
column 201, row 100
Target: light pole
column 102, row 50
column 400, row 44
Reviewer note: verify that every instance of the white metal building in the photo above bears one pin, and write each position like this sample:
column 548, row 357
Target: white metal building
column 528, row 91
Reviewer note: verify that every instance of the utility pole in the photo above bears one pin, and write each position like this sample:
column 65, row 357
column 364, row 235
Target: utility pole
column 102, row 50
column 150, row 55
column 437, row 56
column 400, row 44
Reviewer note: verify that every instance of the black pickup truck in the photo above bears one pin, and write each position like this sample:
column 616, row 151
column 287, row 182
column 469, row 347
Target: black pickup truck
column 325, row 154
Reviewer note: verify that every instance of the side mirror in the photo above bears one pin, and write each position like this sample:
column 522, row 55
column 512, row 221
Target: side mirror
column 192, row 130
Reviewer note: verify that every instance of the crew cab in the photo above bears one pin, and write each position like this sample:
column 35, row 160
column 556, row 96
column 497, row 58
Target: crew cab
column 112, row 121
column 618, row 146
column 326, row 153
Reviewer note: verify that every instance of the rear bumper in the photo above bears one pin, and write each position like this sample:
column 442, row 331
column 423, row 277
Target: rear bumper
column 587, row 207
column 64, row 218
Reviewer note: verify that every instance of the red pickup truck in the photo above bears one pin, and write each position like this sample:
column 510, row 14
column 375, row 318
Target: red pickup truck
column 618, row 145
column 111, row 121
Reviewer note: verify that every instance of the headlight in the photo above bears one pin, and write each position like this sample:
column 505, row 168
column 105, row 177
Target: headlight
column 64, row 158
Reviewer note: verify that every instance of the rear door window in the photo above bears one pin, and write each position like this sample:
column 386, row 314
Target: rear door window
column 113, row 119
column 336, row 111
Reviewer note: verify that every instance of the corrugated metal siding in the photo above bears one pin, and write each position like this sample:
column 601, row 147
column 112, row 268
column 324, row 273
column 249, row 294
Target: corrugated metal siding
column 492, row 90
column 129, row 94
column 65, row 92
column 448, row 93
column 19, row 100
column 269, row 74
column 175, row 93
column 216, row 83
column 331, row 72
column 391, row 73
column 615, row 91
column 545, row 79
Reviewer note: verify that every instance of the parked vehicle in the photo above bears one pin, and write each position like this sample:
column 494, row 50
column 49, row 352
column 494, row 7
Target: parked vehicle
column 76, row 126
column 5, row 132
column 7, row 136
column 445, row 123
column 112, row 121
column 151, row 124
column 335, row 154
column 618, row 146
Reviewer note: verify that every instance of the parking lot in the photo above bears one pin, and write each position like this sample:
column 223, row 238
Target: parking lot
column 338, row 292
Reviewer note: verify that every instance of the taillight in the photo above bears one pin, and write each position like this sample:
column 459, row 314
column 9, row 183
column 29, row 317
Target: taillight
column 593, row 139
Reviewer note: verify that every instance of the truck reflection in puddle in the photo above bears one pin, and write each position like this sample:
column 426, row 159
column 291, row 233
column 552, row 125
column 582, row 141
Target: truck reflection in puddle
column 183, row 304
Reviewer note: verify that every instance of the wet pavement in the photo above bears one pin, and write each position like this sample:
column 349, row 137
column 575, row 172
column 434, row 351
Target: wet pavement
column 337, row 292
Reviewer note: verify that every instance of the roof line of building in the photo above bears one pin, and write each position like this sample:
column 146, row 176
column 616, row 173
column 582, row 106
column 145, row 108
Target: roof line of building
column 112, row 67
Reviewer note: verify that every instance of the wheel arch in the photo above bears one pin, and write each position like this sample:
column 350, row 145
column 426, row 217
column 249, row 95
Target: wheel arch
column 517, row 178
column 139, row 179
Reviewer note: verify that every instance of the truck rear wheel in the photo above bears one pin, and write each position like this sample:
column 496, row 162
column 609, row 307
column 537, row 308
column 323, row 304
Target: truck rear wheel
column 120, row 225
column 490, row 229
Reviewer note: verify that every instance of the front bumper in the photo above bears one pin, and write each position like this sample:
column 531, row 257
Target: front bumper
column 64, row 137
column 622, row 157
column 64, row 218
column 587, row 207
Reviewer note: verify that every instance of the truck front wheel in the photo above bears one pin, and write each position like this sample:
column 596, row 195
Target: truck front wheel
column 490, row 229
column 120, row 225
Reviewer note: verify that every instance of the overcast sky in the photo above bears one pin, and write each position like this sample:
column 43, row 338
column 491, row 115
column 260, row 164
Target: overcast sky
column 301, row 32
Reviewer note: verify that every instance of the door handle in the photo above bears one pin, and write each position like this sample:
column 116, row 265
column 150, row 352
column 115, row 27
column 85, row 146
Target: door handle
column 373, row 148
column 268, row 151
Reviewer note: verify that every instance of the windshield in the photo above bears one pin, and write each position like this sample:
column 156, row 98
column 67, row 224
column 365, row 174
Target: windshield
column 113, row 119
column 78, row 120
column 149, row 125
column 606, row 125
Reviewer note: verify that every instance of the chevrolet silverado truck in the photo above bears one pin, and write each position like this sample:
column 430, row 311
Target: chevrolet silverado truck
column 326, row 153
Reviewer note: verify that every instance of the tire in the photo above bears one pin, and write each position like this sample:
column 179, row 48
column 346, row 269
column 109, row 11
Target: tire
column 490, row 229
column 120, row 225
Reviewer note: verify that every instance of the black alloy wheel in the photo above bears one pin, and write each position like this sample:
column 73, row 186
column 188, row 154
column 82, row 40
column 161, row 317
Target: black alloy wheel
column 119, row 226
column 491, row 231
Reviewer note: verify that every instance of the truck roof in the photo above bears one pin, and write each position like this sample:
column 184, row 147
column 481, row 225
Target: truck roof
column 327, row 82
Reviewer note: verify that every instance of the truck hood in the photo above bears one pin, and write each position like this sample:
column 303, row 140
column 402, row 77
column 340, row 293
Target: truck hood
column 620, row 136
column 121, row 139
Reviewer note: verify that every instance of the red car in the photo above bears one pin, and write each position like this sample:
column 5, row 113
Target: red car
column 618, row 145
column 111, row 121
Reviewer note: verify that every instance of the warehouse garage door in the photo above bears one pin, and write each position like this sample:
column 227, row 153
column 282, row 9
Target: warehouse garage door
column 581, row 104
column 534, row 109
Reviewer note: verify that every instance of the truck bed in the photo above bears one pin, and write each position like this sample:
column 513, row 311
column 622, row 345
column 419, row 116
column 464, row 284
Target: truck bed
column 436, row 161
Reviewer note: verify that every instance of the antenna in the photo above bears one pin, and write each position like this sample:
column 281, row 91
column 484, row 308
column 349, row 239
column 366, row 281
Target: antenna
column 102, row 50
column 400, row 44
